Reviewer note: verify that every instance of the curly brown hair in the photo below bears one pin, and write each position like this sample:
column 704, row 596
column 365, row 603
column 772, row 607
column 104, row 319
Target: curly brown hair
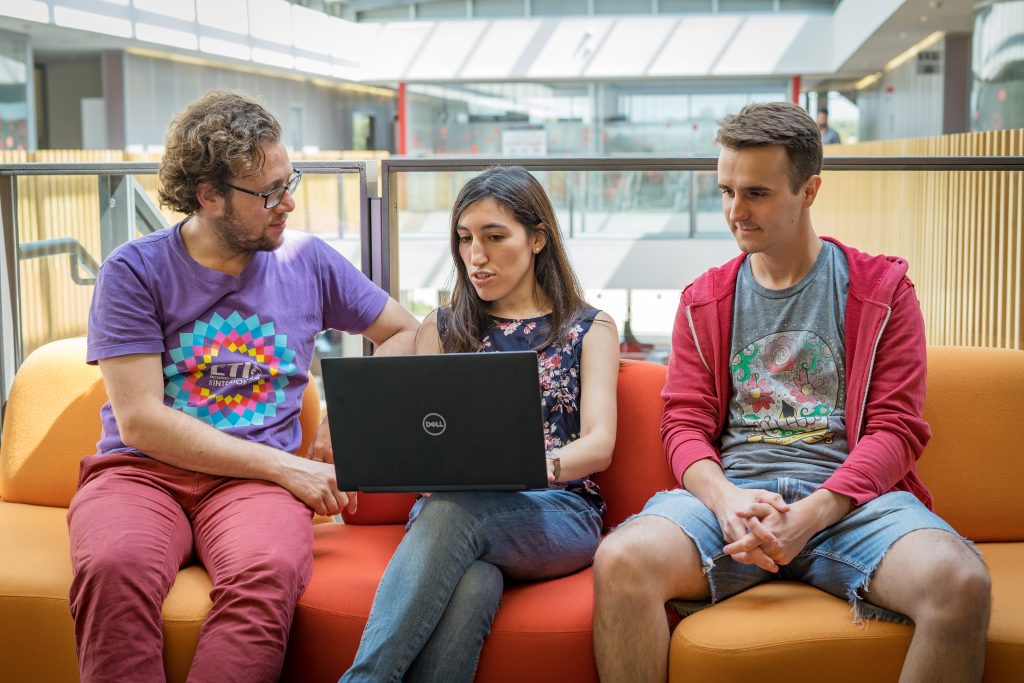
column 216, row 138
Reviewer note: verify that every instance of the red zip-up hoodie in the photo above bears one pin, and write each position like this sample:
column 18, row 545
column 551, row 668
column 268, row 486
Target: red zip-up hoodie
column 885, row 377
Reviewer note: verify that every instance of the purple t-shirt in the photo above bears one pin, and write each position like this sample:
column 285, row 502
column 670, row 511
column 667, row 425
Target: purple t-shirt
column 235, row 350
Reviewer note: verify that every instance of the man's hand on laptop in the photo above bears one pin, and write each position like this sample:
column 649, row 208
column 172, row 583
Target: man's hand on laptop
column 315, row 484
column 321, row 449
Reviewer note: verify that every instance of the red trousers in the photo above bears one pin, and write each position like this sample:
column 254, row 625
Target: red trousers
column 134, row 522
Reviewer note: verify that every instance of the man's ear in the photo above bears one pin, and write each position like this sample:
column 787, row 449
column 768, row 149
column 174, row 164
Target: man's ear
column 811, row 188
column 209, row 197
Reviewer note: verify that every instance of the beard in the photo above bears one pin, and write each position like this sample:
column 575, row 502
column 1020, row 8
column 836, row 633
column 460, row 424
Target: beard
column 236, row 237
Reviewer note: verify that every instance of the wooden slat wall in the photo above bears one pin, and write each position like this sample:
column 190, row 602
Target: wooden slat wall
column 962, row 232
column 52, row 305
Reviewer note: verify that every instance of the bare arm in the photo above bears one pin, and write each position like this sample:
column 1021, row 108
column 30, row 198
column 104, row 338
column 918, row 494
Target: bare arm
column 135, row 387
column 599, row 375
column 428, row 339
column 393, row 332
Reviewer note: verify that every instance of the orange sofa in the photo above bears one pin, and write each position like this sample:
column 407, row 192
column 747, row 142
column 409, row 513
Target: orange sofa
column 774, row 632
column 543, row 630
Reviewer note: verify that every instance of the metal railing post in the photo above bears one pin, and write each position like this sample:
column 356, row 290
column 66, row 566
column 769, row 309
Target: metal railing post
column 117, row 209
column 694, row 199
column 385, row 263
column 10, row 301
column 370, row 230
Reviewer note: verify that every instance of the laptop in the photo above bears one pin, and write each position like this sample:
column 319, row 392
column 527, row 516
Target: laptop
column 446, row 422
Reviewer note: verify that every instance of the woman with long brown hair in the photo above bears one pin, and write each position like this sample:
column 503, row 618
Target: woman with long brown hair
column 514, row 290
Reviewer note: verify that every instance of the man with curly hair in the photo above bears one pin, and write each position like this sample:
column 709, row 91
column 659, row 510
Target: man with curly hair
column 204, row 334
column 817, row 484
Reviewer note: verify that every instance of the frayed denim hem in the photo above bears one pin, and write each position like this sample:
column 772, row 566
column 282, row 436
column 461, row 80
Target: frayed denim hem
column 685, row 607
column 861, row 609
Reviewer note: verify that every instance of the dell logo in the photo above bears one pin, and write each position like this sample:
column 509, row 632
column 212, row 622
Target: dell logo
column 434, row 424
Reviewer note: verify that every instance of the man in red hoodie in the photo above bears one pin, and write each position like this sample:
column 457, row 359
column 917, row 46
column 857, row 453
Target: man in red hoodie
column 793, row 419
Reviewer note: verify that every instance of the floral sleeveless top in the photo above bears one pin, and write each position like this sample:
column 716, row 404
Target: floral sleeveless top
column 558, row 365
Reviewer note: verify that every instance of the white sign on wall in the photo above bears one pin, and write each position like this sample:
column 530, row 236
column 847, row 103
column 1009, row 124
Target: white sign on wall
column 524, row 142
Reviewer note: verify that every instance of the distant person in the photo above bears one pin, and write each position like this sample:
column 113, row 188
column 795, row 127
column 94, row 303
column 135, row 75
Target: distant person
column 829, row 136
column 514, row 291
column 793, row 422
column 204, row 333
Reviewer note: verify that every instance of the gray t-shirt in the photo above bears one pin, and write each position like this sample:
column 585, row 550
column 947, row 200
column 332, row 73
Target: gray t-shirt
column 787, row 413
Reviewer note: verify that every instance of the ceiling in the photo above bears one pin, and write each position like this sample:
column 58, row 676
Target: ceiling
column 911, row 22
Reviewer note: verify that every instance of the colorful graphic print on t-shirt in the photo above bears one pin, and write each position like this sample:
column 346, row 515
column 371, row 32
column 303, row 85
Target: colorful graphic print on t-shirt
column 230, row 372
column 787, row 384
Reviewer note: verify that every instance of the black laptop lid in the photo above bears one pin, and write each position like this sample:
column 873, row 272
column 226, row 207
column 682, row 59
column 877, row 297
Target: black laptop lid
column 448, row 422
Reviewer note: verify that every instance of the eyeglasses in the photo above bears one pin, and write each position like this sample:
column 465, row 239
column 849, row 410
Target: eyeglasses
column 272, row 198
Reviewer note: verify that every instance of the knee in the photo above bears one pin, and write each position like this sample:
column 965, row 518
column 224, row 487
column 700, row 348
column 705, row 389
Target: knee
column 445, row 514
column 958, row 591
column 116, row 587
column 481, row 585
column 108, row 566
column 622, row 564
column 273, row 572
column 970, row 588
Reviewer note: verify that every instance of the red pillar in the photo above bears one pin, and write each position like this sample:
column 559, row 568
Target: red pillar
column 795, row 87
column 401, row 118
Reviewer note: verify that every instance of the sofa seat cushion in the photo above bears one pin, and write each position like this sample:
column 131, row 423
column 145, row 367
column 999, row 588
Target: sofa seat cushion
column 763, row 633
column 35, row 577
column 542, row 631
column 1004, row 658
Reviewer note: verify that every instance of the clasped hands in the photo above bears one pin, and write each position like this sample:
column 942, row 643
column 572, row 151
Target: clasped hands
column 760, row 528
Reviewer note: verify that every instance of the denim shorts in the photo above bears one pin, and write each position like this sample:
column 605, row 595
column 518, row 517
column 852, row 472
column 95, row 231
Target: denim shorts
column 839, row 559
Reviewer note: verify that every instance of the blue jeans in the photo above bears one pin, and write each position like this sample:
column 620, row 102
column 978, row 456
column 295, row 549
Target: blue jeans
column 839, row 559
column 441, row 590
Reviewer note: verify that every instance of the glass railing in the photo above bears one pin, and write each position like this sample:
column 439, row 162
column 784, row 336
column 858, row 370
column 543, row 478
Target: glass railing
column 615, row 203
column 637, row 229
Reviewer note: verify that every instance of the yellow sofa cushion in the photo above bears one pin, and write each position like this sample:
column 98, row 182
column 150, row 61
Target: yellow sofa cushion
column 52, row 421
column 974, row 465
column 763, row 633
column 35, row 575
column 1004, row 658
column 751, row 635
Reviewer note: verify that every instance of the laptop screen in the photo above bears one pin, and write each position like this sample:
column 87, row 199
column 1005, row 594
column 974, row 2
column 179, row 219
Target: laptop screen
column 460, row 421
